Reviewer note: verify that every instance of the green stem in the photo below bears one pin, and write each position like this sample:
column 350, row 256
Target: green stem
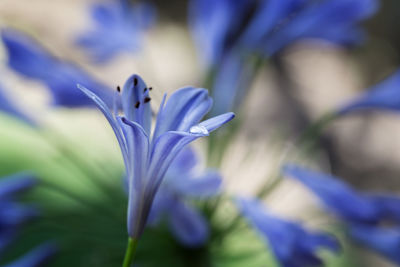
column 130, row 252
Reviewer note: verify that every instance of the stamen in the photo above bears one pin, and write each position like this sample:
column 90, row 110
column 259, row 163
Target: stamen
column 144, row 90
column 135, row 81
column 147, row 99
column 118, row 89
column 150, row 88
column 137, row 104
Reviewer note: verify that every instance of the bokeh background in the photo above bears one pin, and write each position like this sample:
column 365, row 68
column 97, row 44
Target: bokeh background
column 364, row 149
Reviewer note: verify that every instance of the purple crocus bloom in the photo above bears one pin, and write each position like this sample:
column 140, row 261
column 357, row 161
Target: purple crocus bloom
column 385, row 95
column 119, row 26
column 147, row 157
column 13, row 215
column 292, row 245
column 268, row 26
column 362, row 213
column 28, row 58
column 182, row 183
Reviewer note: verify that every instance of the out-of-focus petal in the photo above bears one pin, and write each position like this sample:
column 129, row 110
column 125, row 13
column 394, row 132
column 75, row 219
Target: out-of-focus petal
column 184, row 162
column 15, row 183
column 206, row 185
column 118, row 27
column 385, row 241
column 384, row 95
column 291, row 244
column 26, row 56
column 30, row 59
column 336, row 195
column 331, row 16
column 188, row 225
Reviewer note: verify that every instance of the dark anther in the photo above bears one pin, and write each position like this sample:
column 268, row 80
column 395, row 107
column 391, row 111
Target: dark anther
column 137, row 104
column 150, row 88
column 118, row 89
column 144, row 90
column 147, row 99
column 135, row 81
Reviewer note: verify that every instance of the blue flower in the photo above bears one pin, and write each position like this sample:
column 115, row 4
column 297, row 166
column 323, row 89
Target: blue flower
column 292, row 245
column 182, row 182
column 13, row 215
column 147, row 158
column 230, row 83
column 7, row 106
column 269, row 26
column 331, row 20
column 384, row 95
column 343, row 200
column 31, row 60
column 363, row 214
column 384, row 241
column 119, row 26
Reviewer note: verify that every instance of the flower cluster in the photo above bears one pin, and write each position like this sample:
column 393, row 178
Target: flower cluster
column 233, row 37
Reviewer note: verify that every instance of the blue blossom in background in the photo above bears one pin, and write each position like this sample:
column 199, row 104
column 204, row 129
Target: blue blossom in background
column 7, row 106
column 230, row 83
column 384, row 95
column 181, row 184
column 343, row 200
column 384, row 241
column 119, row 27
column 364, row 214
column 147, row 158
column 268, row 26
column 13, row 215
column 335, row 21
column 292, row 245
column 233, row 36
column 28, row 58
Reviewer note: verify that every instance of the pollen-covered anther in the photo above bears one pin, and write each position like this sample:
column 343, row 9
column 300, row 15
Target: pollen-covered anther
column 147, row 99
column 118, row 89
column 135, row 81
column 137, row 105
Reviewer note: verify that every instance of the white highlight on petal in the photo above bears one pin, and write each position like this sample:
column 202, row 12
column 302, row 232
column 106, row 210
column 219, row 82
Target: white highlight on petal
column 199, row 129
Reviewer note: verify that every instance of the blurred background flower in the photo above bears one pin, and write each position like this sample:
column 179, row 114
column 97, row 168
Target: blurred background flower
column 13, row 216
column 118, row 26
